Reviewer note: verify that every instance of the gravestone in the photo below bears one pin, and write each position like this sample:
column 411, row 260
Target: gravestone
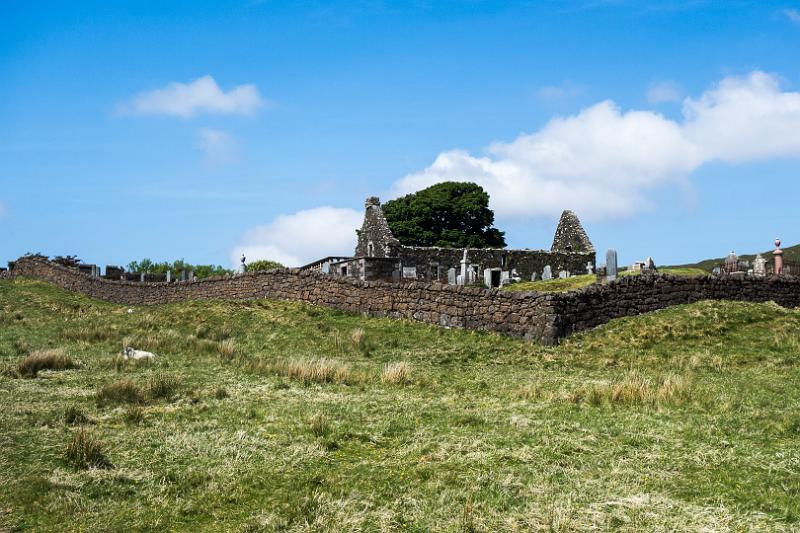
column 169, row 276
column 487, row 277
column 533, row 276
column 464, row 277
column 759, row 266
column 547, row 273
column 451, row 276
column 141, row 277
column 611, row 264
column 650, row 264
column 589, row 268
column 563, row 274
column 410, row 272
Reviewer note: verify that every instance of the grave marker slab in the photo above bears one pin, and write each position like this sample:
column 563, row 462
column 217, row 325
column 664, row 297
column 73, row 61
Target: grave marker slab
column 611, row 264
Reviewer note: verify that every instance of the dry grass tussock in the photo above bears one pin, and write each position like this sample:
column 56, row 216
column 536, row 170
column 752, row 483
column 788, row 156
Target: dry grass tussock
column 396, row 373
column 358, row 339
column 86, row 451
column 636, row 389
column 91, row 333
column 121, row 391
column 227, row 349
column 307, row 371
column 320, row 425
column 159, row 386
column 56, row 359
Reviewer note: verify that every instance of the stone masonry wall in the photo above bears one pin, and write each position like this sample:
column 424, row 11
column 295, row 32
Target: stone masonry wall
column 635, row 295
column 524, row 315
column 536, row 316
column 526, row 262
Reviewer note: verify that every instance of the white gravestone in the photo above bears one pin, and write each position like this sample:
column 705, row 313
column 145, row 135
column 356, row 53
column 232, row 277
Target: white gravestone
column 451, row 276
column 563, row 274
column 589, row 268
column 410, row 272
column 464, row 277
column 759, row 266
column 547, row 273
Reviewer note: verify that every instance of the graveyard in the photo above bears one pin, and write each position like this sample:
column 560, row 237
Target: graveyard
column 273, row 415
column 341, row 396
column 463, row 267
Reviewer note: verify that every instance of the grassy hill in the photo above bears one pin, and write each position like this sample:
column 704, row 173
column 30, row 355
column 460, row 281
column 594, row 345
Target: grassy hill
column 266, row 415
column 791, row 253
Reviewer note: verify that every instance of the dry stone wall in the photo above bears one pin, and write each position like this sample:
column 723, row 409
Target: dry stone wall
column 635, row 295
column 524, row 315
column 535, row 316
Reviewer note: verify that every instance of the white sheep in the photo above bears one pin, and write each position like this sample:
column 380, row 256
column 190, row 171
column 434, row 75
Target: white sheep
column 131, row 353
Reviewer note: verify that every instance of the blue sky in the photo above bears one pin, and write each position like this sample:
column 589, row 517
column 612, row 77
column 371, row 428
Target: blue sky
column 198, row 130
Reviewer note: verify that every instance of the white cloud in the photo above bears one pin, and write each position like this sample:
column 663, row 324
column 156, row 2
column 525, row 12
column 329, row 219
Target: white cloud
column 604, row 162
column 201, row 95
column 793, row 15
column 302, row 237
column 744, row 119
column 663, row 91
column 218, row 146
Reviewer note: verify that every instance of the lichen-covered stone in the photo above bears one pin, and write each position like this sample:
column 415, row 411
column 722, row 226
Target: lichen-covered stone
column 570, row 236
column 542, row 317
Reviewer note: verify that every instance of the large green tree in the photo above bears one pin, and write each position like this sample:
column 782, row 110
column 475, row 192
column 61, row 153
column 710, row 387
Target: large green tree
column 449, row 214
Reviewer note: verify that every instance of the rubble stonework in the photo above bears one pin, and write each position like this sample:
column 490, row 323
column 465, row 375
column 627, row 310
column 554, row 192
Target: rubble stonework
column 570, row 236
column 544, row 317
column 375, row 240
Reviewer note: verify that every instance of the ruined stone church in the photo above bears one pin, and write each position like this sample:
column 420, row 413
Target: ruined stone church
column 380, row 256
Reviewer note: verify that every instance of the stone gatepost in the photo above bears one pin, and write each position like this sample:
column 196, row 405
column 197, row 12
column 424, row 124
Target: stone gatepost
column 778, row 254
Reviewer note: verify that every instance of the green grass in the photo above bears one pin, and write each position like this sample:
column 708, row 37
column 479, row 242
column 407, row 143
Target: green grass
column 579, row 282
column 313, row 420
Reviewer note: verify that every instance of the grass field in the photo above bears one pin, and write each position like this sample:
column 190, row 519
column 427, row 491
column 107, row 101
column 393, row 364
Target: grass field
column 265, row 415
column 579, row 282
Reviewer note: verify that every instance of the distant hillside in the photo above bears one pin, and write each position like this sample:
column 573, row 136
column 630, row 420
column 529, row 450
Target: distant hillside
column 791, row 253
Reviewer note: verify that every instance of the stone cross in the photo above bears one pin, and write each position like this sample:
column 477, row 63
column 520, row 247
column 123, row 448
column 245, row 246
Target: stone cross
column 589, row 268
column 547, row 273
column 611, row 265
column 464, row 264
